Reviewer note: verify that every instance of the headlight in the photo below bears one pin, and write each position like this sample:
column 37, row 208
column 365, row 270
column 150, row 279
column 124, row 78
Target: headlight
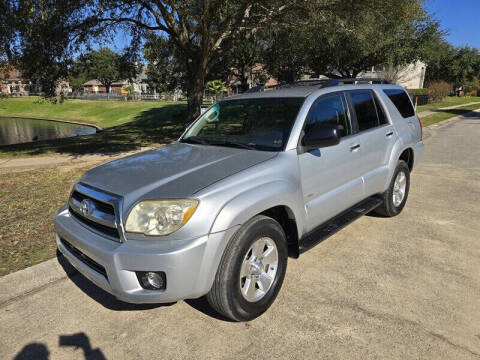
column 160, row 217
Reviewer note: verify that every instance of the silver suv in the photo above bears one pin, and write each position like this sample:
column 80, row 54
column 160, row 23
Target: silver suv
column 256, row 179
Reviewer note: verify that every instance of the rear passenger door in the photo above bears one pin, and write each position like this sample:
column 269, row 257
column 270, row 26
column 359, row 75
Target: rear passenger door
column 375, row 136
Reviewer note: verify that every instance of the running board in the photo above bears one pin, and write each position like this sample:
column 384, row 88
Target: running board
column 322, row 232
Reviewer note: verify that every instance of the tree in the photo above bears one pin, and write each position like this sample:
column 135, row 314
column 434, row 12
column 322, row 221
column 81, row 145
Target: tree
column 465, row 65
column 106, row 66
column 240, row 61
column 369, row 33
column 217, row 87
column 284, row 54
column 164, row 71
column 201, row 31
column 455, row 65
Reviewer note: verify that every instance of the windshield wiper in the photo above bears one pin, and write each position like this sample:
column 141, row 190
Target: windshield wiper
column 235, row 144
column 199, row 140
column 195, row 140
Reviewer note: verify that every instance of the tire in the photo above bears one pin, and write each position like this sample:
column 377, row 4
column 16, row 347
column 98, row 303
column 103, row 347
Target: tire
column 231, row 295
column 390, row 206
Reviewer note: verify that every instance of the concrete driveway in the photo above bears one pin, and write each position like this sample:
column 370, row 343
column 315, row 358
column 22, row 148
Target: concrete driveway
column 400, row 288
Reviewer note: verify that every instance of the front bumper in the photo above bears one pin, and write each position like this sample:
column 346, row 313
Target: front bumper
column 190, row 265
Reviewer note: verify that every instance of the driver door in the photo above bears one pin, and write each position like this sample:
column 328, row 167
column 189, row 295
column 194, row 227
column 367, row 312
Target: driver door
column 330, row 176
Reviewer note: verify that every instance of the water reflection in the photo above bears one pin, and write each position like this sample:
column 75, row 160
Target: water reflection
column 18, row 130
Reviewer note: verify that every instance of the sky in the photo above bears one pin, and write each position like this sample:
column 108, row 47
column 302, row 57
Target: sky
column 461, row 18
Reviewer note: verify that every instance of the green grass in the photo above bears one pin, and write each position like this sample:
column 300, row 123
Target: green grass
column 442, row 115
column 127, row 125
column 450, row 101
column 103, row 113
column 28, row 203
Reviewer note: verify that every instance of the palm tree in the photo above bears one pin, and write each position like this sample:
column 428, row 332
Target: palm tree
column 217, row 87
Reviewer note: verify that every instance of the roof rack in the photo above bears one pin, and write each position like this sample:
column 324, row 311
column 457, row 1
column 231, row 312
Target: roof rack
column 321, row 83
column 354, row 81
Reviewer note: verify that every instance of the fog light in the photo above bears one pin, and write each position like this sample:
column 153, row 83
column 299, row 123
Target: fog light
column 152, row 280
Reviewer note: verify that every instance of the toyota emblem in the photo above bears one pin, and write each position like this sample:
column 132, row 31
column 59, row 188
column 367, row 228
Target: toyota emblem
column 86, row 207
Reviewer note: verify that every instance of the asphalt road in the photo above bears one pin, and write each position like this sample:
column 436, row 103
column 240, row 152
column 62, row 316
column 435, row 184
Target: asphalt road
column 402, row 288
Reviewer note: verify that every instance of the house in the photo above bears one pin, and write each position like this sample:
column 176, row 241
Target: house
column 411, row 76
column 13, row 83
column 139, row 85
column 256, row 75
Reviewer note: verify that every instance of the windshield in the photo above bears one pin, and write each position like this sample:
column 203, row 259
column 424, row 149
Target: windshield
column 260, row 124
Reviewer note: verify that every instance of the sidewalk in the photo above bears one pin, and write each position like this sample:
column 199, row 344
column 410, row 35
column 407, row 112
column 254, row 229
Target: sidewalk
column 434, row 111
column 28, row 163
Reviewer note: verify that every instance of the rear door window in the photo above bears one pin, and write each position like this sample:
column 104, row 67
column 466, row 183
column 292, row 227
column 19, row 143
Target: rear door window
column 402, row 102
column 365, row 110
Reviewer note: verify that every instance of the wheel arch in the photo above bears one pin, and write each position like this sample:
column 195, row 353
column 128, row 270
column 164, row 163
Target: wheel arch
column 408, row 156
column 278, row 200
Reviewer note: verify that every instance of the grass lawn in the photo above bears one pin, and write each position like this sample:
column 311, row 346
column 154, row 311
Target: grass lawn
column 442, row 115
column 127, row 125
column 450, row 101
column 28, row 203
column 103, row 113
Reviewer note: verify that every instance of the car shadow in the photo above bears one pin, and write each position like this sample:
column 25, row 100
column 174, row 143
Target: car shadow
column 104, row 298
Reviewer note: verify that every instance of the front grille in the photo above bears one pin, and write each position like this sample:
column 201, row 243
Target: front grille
column 106, row 208
column 84, row 258
column 96, row 210
column 94, row 225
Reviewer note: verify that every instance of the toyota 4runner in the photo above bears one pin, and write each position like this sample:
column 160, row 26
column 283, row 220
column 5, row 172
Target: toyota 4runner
column 258, row 178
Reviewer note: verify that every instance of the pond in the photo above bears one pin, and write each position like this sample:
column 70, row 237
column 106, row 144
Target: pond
column 19, row 130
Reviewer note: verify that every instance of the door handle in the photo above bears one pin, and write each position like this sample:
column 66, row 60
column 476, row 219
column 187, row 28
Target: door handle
column 354, row 147
column 389, row 134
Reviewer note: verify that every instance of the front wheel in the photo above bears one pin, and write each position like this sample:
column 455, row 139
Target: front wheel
column 395, row 198
column 251, row 271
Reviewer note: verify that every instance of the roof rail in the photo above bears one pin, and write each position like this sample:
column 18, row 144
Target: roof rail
column 354, row 81
column 321, row 83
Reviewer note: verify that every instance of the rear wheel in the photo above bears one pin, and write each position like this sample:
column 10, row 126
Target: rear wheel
column 251, row 271
column 395, row 198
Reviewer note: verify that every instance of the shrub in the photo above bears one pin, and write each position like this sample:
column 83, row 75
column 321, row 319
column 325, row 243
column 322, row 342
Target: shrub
column 439, row 90
column 414, row 92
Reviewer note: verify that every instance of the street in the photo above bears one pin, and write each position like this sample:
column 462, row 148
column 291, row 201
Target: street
column 400, row 288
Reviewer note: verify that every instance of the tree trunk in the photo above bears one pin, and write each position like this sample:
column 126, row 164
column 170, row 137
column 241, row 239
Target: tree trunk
column 194, row 94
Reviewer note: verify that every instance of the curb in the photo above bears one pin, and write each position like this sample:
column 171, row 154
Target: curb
column 23, row 282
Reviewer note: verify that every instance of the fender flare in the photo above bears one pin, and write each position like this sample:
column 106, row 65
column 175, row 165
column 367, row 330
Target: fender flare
column 258, row 199
column 395, row 154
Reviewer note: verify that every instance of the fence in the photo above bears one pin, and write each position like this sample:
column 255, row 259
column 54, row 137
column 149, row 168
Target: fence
column 114, row 96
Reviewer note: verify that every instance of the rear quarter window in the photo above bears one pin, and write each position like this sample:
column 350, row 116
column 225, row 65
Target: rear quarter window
column 402, row 102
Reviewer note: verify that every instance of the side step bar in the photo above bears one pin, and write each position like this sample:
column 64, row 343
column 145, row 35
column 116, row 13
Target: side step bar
column 337, row 223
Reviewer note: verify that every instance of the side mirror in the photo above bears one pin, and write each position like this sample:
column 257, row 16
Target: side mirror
column 321, row 136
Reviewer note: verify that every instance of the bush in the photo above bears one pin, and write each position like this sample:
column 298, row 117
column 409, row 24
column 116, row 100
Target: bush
column 414, row 92
column 439, row 90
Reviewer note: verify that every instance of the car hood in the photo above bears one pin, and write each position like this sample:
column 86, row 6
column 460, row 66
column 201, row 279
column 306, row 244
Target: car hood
column 176, row 170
